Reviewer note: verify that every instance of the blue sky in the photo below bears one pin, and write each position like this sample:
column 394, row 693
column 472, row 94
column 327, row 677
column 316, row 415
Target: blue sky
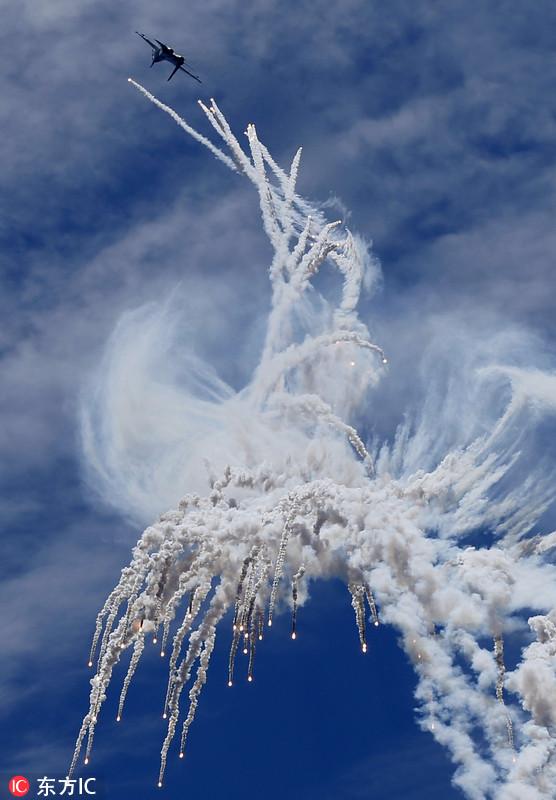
column 434, row 123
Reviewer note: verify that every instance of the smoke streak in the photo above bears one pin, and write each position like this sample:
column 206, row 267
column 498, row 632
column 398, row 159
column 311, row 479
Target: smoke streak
column 187, row 128
column 297, row 494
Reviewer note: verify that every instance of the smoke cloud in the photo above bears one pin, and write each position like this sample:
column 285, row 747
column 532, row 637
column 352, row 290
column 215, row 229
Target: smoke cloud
column 432, row 525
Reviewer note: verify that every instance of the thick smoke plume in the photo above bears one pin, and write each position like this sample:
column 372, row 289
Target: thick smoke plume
column 432, row 533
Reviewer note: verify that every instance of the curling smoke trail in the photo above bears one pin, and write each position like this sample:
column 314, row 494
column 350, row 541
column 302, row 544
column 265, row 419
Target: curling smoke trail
column 319, row 507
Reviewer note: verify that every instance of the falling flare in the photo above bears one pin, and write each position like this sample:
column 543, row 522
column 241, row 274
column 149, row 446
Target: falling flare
column 296, row 578
column 252, row 640
column 358, row 603
column 232, row 657
column 137, row 653
column 372, row 605
column 166, row 632
column 195, row 691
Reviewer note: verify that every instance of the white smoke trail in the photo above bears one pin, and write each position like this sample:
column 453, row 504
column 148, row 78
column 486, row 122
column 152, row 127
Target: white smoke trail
column 187, row 128
column 292, row 495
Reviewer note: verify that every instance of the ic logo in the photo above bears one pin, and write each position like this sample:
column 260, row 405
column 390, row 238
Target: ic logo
column 18, row 786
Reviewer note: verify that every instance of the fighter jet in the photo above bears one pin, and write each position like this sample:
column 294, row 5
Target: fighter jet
column 162, row 52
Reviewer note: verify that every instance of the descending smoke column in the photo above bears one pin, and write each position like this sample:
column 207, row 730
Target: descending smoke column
column 327, row 508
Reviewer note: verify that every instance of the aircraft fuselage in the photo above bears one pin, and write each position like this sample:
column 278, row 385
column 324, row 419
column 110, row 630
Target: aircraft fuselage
column 172, row 57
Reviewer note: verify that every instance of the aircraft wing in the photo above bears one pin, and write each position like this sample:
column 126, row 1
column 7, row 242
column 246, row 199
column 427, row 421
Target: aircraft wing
column 190, row 74
column 164, row 46
column 176, row 68
column 148, row 41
